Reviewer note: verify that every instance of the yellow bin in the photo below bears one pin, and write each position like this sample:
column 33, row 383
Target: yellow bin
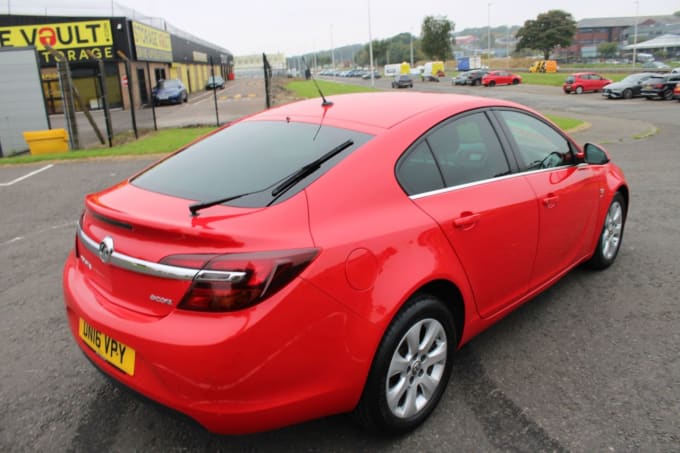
column 46, row 142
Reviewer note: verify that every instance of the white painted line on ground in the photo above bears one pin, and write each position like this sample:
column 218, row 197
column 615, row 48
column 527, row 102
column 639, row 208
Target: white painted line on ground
column 40, row 231
column 18, row 238
column 21, row 178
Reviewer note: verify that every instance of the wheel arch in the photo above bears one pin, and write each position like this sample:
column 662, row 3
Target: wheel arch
column 624, row 191
column 449, row 293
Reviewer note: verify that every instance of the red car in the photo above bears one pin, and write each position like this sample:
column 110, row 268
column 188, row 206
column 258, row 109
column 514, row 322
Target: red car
column 494, row 78
column 315, row 259
column 581, row 82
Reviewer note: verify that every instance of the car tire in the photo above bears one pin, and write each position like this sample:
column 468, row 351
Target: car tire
column 404, row 385
column 668, row 95
column 476, row 82
column 186, row 98
column 579, row 90
column 627, row 93
column 492, row 84
column 611, row 235
column 515, row 81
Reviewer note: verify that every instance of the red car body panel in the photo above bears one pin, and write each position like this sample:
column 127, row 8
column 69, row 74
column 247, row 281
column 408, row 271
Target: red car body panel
column 305, row 351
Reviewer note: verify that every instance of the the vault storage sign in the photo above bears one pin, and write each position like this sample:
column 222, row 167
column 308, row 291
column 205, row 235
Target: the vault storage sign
column 71, row 39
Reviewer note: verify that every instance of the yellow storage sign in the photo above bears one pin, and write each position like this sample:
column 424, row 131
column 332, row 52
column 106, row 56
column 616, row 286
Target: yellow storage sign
column 66, row 35
column 69, row 38
column 151, row 44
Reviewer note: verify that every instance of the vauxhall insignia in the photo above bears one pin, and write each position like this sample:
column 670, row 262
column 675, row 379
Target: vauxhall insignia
column 106, row 249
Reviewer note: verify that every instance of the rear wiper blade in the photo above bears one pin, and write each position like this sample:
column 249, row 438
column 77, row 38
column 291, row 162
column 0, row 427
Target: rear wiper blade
column 308, row 169
column 286, row 184
column 194, row 208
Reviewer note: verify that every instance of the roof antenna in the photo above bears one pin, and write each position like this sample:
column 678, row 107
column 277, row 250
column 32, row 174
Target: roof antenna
column 325, row 103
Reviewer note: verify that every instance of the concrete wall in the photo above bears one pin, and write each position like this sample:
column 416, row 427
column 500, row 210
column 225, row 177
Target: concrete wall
column 23, row 106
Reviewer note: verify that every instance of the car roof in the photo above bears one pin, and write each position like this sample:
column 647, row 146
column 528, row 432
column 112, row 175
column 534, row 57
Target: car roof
column 381, row 110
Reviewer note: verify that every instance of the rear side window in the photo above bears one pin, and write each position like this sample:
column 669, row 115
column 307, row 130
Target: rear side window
column 250, row 157
column 460, row 151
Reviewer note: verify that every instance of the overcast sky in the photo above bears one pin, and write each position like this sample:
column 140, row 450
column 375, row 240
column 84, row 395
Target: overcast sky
column 300, row 26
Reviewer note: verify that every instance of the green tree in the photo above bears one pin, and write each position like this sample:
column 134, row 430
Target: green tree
column 607, row 49
column 391, row 50
column 549, row 30
column 436, row 37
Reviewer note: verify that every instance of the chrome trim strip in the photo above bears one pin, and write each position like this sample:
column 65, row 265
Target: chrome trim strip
column 484, row 181
column 463, row 186
column 159, row 270
column 136, row 265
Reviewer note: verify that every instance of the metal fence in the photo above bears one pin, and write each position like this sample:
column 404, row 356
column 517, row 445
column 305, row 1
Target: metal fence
column 97, row 120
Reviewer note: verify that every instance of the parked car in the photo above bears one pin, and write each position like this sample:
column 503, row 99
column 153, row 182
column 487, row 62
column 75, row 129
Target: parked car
column 214, row 82
column 367, row 75
column 406, row 225
column 627, row 88
column 402, row 81
column 660, row 86
column 473, row 77
column 170, row 91
column 656, row 65
column 494, row 78
column 429, row 78
column 581, row 82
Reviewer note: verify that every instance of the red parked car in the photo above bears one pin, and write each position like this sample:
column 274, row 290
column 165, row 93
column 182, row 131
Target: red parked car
column 494, row 78
column 318, row 258
column 581, row 82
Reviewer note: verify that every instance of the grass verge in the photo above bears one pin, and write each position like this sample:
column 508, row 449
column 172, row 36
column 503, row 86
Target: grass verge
column 158, row 142
column 306, row 89
column 566, row 124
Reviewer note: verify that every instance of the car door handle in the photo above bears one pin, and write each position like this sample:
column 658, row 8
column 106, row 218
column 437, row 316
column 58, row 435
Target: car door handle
column 550, row 201
column 466, row 221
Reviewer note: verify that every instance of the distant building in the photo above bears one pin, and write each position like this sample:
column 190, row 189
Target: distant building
column 621, row 30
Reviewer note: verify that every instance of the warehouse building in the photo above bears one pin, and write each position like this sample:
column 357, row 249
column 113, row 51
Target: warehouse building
column 155, row 50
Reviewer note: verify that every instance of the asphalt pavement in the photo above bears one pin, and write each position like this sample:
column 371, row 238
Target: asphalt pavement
column 590, row 365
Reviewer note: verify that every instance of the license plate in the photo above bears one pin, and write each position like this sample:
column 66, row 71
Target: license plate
column 113, row 351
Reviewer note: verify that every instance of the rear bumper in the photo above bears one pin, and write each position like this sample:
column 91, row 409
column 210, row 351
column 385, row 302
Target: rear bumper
column 286, row 360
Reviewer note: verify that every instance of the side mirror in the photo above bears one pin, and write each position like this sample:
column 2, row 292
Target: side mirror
column 595, row 154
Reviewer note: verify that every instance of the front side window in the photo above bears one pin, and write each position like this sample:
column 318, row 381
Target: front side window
column 539, row 146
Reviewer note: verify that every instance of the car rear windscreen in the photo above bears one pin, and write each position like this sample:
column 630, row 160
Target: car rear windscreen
column 247, row 158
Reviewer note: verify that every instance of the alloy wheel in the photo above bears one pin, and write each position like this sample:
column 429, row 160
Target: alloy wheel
column 611, row 233
column 416, row 369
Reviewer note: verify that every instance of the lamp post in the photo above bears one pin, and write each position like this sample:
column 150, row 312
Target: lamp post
column 370, row 44
column 488, row 36
column 332, row 51
column 637, row 6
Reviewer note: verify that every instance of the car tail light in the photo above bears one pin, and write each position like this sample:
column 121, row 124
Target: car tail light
column 236, row 281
